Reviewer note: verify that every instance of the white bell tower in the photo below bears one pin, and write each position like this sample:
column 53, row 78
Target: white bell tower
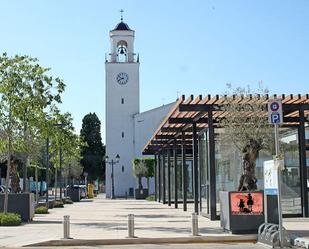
column 122, row 103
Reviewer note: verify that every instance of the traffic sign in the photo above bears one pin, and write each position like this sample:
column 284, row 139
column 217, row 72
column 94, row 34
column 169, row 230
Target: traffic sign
column 275, row 115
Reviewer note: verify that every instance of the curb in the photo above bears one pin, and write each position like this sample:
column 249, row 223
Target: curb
column 128, row 241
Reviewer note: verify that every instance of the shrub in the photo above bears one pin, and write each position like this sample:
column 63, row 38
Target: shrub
column 67, row 201
column 10, row 219
column 41, row 210
column 150, row 198
column 58, row 204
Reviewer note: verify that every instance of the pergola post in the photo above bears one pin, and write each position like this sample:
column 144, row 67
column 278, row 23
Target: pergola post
column 195, row 167
column 175, row 173
column 212, row 167
column 184, row 171
column 303, row 163
column 163, row 178
column 156, row 176
column 169, row 177
column 159, row 176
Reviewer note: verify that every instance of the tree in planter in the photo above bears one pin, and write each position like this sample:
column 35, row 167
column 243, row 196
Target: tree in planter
column 150, row 165
column 246, row 126
column 139, row 171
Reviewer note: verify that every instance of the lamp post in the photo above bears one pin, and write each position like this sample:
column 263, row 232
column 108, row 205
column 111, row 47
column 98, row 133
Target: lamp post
column 47, row 169
column 112, row 163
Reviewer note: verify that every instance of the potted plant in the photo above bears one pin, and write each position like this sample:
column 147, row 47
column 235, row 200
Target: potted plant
column 140, row 171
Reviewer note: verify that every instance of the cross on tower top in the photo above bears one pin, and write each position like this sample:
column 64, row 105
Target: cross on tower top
column 121, row 14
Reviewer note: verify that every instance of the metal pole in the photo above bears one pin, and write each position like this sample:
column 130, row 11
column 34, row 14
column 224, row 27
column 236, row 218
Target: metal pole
column 131, row 225
column 156, row 177
column 36, row 185
column 159, row 177
column 175, row 174
column 47, row 170
column 279, row 185
column 184, row 171
column 163, row 178
column 113, row 187
column 194, row 224
column 169, row 177
column 66, row 227
column 303, row 166
column 195, row 168
column 212, row 167
column 60, row 171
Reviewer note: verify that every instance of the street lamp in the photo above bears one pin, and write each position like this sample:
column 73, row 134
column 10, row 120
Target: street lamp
column 112, row 163
column 60, row 126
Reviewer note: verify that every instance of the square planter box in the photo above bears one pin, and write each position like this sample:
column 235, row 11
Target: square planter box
column 21, row 203
column 74, row 193
column 141, row 194
column 241, row 212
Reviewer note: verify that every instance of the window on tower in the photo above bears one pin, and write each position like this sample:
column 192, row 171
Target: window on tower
column 122, row 100
column 122, row 55
column 122, row 134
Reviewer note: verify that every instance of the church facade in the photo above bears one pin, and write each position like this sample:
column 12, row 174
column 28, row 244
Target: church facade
column 127, row 130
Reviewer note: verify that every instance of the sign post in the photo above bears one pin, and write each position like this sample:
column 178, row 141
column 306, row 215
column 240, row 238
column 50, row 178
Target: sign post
column 275, row 117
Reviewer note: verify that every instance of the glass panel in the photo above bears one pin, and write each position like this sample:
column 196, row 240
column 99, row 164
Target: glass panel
column 172, row 181
column 189, row 164
column 228, row 167
column 291, row 181
column 162, row 168
column 204, row 173
column 179, row 179
column 229, row 170
column 166, row 179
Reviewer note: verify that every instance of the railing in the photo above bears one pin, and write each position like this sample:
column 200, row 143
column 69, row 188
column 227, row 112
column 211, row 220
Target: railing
column 113, row 57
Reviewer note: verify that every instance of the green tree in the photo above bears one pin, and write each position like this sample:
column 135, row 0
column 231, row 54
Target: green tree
column 26, row 93
column 65, row 144
column 150, row 165
column 93, row 152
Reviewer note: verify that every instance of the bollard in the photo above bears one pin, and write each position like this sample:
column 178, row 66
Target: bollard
column 66, row 227
column 131, row 225
column 194, row 224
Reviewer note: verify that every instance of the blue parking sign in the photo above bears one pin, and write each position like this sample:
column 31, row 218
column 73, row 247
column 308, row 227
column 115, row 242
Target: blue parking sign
column 275, row 114
column 275, row 118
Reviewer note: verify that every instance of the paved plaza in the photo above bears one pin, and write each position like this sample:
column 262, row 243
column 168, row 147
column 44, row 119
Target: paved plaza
column 102, row 218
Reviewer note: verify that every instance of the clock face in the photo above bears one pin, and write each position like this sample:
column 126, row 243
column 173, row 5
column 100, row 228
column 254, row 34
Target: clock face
column 122, row 78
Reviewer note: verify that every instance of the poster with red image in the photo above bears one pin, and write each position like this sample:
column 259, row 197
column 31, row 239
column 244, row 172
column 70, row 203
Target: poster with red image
column 245, row 203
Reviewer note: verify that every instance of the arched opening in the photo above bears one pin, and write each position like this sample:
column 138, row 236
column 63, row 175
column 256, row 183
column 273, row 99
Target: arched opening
column 122, row 51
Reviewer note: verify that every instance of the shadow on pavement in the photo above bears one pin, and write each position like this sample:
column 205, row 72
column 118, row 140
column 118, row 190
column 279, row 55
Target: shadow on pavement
column 45, row 222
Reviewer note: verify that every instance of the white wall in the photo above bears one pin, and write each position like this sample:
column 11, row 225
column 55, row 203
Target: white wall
column 145, row 125
column 119, row 118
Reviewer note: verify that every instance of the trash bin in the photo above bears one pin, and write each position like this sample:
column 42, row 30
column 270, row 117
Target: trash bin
column 90, row 190
column 74, row 193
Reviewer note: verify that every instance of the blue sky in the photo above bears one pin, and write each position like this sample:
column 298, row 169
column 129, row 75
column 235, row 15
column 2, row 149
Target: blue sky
column 186, row 47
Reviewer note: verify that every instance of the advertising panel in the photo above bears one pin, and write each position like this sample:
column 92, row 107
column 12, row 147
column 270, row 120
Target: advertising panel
column 244, row 203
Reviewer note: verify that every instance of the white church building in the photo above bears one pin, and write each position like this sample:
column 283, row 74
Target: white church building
column 127, row 130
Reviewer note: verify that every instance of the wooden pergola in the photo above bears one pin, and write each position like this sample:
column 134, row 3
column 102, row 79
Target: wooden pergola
column 179, row 132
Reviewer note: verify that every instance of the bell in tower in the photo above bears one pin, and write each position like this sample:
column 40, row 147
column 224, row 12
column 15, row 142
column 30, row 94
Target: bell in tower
column 122, row 43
